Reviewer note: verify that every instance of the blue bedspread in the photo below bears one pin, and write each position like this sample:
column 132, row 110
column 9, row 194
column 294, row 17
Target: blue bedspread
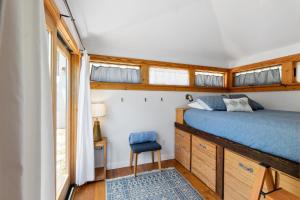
column 274, row 132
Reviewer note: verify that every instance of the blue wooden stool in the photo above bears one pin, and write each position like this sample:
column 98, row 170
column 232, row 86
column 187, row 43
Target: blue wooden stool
column 144, row 147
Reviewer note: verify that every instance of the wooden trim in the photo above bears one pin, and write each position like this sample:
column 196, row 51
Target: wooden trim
column 118, row 86
column 288, row 73
column 75, row 69
column 266, row 63
column 269, row 88
column 123, row 60
column 145, row 74
column 192, row 77
column 61, row 25
column 289, row 167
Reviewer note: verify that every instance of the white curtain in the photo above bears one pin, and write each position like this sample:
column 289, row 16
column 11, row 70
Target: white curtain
column 259, row 77
column 115, row 74
column 163, row 76
column 85, row 166
column 206, row 80
column 26, row 139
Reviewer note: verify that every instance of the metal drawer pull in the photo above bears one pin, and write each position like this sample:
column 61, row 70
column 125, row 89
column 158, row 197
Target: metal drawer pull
column 248, row 169
column 202, row 146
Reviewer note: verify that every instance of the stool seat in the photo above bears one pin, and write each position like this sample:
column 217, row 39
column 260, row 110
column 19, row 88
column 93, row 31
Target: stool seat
column 144, row 147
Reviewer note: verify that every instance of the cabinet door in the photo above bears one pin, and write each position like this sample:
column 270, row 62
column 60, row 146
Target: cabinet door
column 183, row 148
column 239, row 176
column 289, row 183
column 204, row 161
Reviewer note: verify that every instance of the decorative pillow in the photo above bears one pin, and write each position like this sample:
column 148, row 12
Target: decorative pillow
column 198, row 105
column 254, row 105
column 213, row 102
column 238, row 105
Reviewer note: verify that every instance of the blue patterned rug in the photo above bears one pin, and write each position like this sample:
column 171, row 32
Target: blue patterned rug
column 168, row 184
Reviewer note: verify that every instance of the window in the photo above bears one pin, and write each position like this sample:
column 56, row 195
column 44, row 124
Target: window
column 167, row 76
column 209, row 79
column 49, row 50
column 115, row 73
column 265, row 76
column 298, row 72
column 62, row 137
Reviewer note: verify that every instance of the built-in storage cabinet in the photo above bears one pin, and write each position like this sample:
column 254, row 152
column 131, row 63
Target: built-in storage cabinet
column 288, row 183
column 239, row 176
column 236, row 179
column 204, row 161
column 183, row 148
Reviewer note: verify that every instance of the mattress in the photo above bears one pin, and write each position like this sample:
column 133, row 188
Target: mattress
column 270, row 131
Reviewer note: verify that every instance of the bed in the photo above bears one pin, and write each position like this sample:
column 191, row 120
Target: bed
column 269, row 131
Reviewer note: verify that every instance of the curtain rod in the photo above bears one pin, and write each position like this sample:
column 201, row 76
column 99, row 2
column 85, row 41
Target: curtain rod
column 73, row 20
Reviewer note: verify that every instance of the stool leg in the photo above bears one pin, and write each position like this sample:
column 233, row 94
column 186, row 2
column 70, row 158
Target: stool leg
column 131, row 157
column 135, row 163
column 152, row 156
column 158, row 157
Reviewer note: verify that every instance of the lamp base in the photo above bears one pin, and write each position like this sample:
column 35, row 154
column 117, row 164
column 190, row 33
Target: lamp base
column 97, row 131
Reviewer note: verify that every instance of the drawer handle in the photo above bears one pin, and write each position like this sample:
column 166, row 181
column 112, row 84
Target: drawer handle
column 202, row 146
column 248, row 169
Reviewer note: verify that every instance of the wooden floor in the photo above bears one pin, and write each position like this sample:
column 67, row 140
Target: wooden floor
column 96, row 191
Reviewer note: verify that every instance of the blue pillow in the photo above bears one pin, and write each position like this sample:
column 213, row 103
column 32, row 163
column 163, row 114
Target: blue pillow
column 214, row 102
column 254, row 105
column 141, row 137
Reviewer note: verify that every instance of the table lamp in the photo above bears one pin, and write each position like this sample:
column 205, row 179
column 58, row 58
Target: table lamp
column 98, row 110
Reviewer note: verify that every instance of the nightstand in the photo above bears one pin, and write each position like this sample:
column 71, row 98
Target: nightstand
column 100, row 172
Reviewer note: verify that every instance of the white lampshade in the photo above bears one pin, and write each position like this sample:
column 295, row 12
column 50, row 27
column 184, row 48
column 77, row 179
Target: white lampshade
column 98, row 110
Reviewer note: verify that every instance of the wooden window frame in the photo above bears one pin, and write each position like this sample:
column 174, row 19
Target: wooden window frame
column 145, row 65
column 288, row 79
column 56, row 24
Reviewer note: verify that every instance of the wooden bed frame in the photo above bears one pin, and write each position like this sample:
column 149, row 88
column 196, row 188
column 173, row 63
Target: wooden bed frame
column 289, row 167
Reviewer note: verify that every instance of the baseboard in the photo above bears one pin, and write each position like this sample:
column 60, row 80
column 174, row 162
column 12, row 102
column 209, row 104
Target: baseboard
column 142, row 160
column 139, row 165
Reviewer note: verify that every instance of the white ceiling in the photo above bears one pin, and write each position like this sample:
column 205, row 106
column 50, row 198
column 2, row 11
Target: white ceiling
column 204, row 32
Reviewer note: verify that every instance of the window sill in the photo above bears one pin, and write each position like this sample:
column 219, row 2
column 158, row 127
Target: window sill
column 129, row 86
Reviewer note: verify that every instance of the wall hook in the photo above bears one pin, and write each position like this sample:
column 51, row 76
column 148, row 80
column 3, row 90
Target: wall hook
column 145, row 99
column 161, row 99
column 122, row 100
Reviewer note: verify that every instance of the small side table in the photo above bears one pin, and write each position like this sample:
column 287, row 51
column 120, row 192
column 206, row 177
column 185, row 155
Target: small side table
column 100, row 172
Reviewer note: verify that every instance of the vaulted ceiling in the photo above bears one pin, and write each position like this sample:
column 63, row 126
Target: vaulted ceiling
column 205, row 32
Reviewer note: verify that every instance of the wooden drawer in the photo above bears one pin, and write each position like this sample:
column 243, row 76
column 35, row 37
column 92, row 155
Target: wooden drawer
column 239, row 176
column 288, row 183
column 204, row 161
column 183, row 148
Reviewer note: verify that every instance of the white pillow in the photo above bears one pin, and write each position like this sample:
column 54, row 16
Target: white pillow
column 238, row 105
column 199, row 105
column 204, row 105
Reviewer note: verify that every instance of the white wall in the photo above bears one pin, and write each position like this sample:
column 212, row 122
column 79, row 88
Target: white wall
column 284, row 100
column 134, row 114
column 267, row 55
